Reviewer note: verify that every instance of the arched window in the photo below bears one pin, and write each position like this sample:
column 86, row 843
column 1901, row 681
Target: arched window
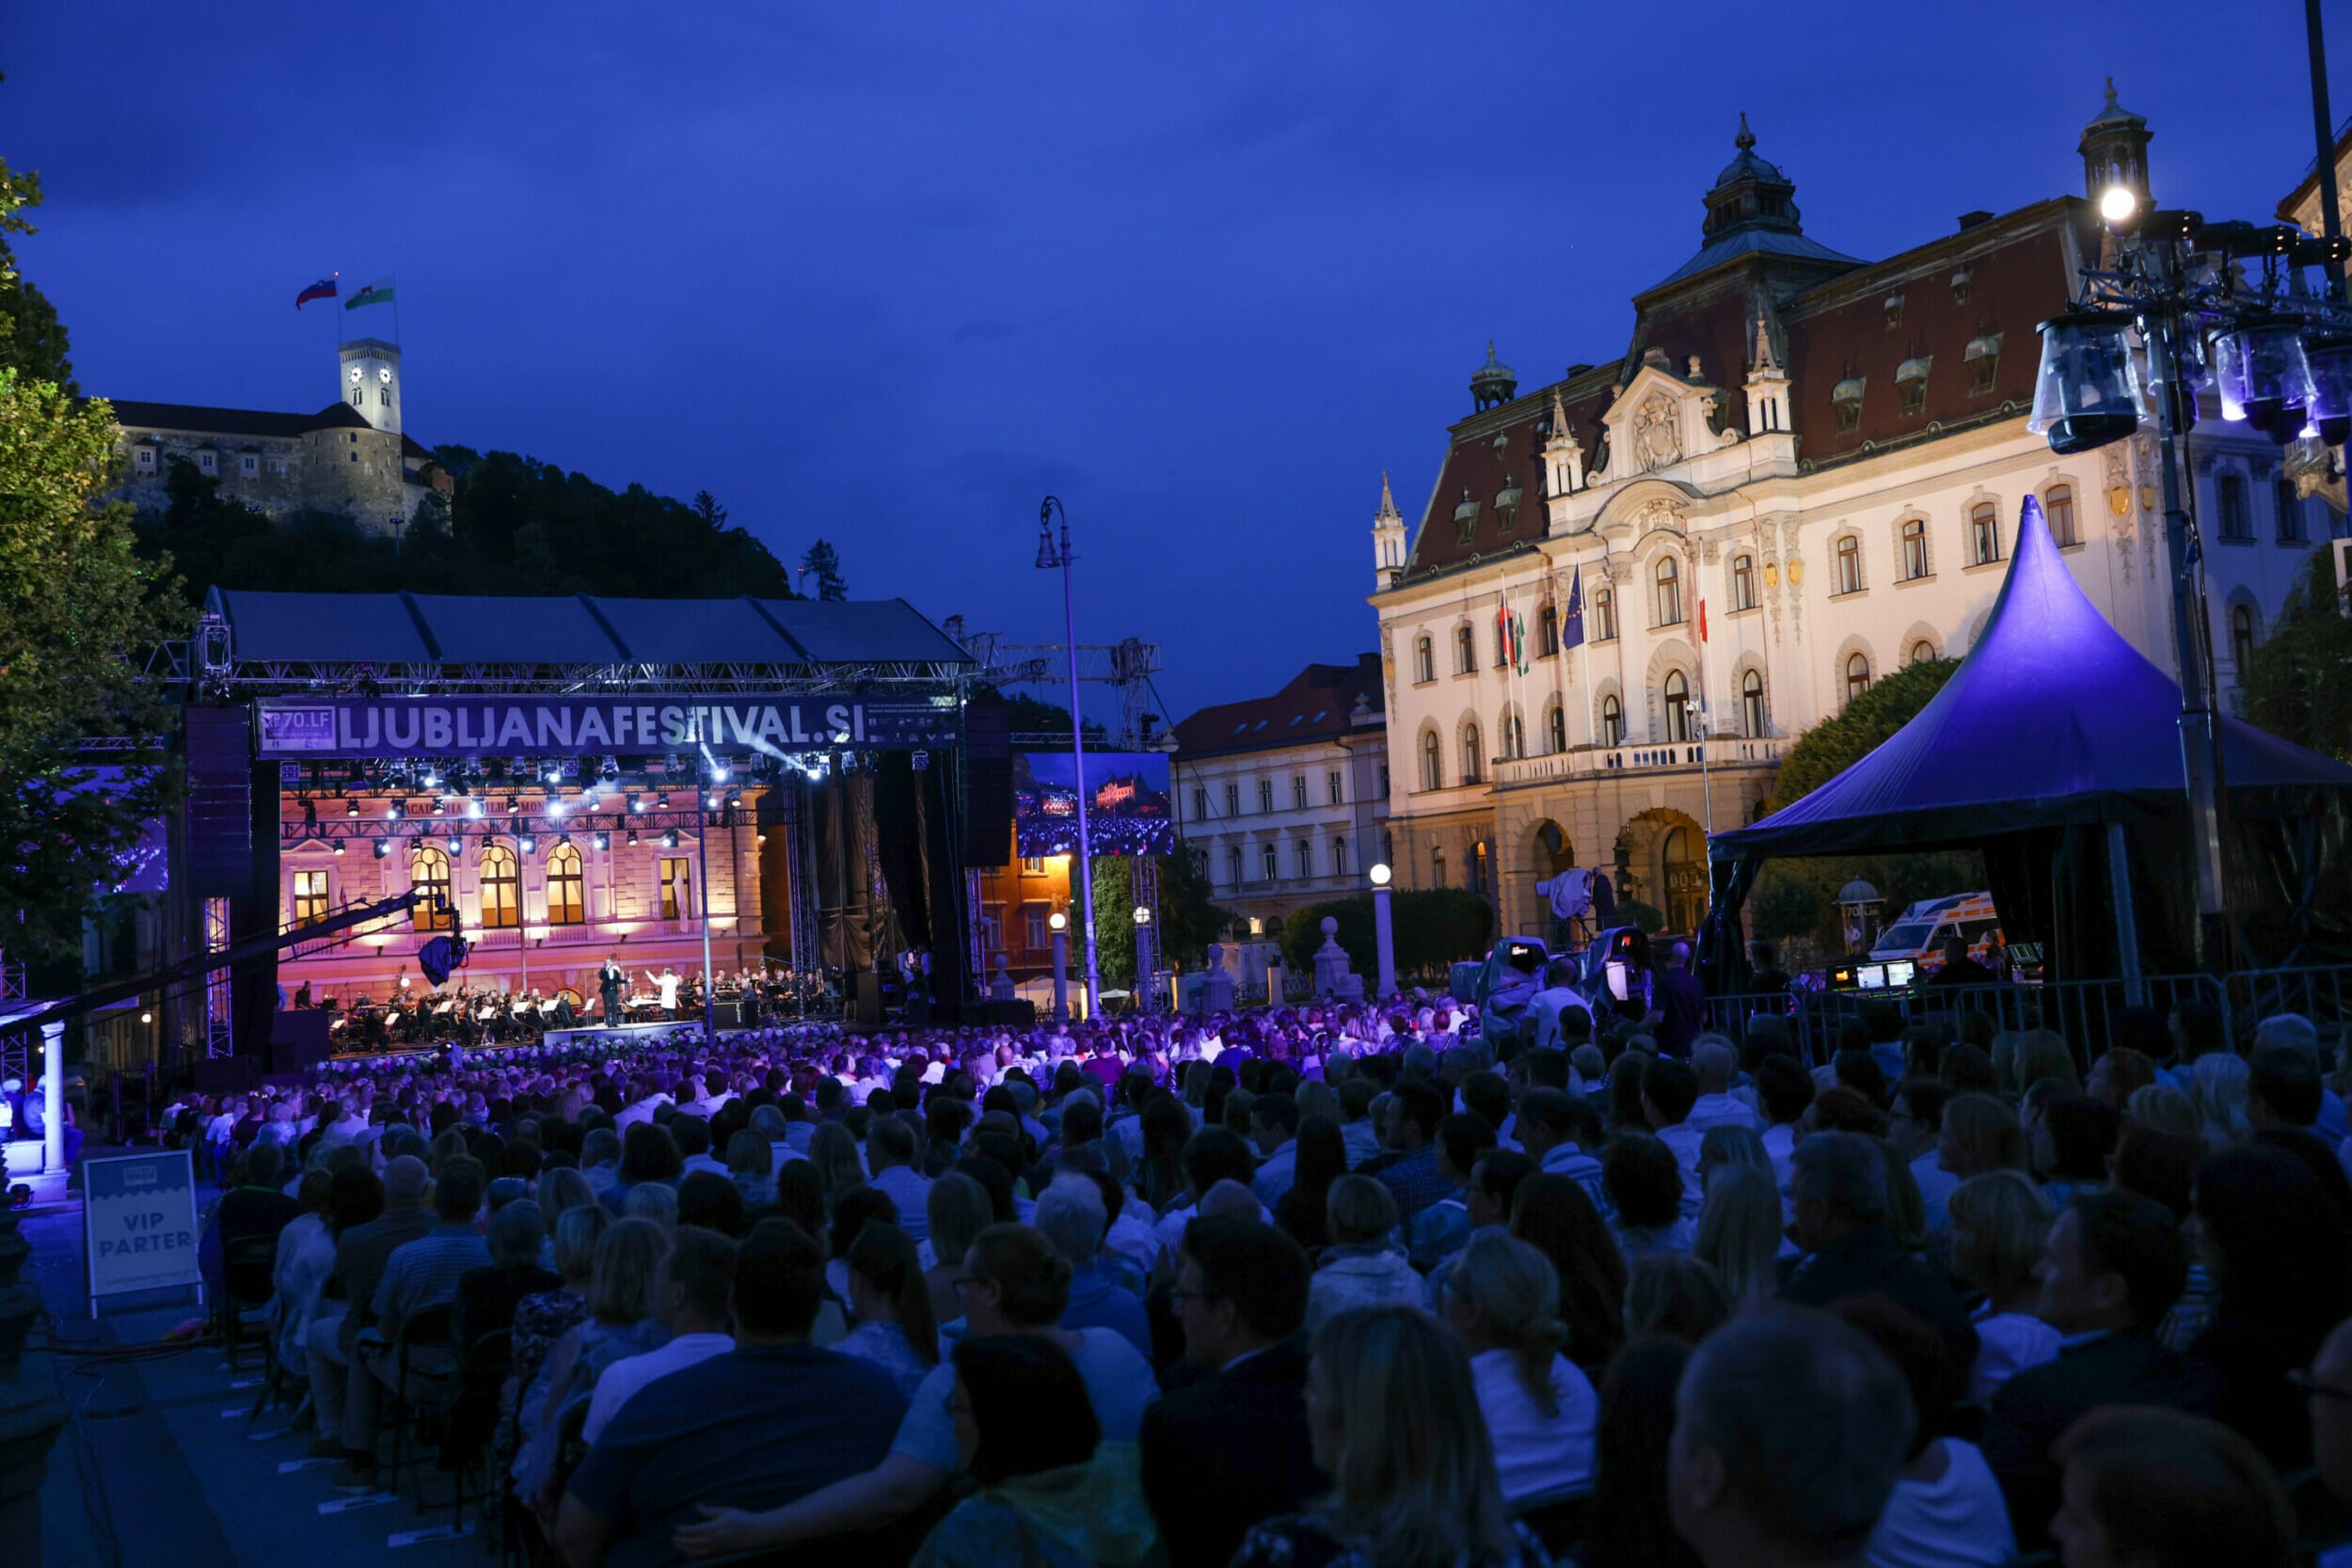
column 1556, row 729
column 565, row 905
column 1857, row 675
column 1424, row 661
column 1612, row 721
column 1922, row 651
column 428, row 874
column 501, row 891
column 2241, row 638
column 1432, row 762
column 1465, row 650
column 1472, row 764
column 2058, row 506
column 1339, row 857
column 1513, row 735
column 1984, row 533
column 1677, row 694
column 1669, row 576
column 1915, row 547
column 1273, row 860
column 1604, row 615
column 1849, row 564
column 1752, row 704
column 1743, row 582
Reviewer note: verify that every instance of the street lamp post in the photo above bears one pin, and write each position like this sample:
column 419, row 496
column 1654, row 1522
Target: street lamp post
column 1383, row 932
column 1060, row 923
column 1146, row 1000
column 1050, row 555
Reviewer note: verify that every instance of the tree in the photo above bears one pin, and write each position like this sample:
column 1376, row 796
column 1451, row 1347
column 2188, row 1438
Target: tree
column 1839, row 741
column 2298, row 684
column 706, row 506
column 32, row 339
column 1190, row 918
column 1114, row 920
column 824, row 563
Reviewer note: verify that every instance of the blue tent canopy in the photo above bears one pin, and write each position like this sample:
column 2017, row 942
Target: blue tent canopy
column 2052, row 720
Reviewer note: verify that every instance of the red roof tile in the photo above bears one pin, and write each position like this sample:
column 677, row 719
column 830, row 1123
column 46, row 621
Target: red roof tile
column 1315, row 705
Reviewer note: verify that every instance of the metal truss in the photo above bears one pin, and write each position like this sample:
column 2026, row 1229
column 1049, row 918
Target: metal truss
column 219, row 1028
column 174, row 663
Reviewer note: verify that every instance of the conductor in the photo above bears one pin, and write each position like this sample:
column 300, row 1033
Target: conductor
column 609, row 982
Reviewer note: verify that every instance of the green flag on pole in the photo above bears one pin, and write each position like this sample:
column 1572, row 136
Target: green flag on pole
column 374, row 294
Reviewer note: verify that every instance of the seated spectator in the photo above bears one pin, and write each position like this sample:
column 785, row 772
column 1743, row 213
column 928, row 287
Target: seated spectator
column 1274, row 1130
column 2000, row 1223
column 1730, row 1145
column 1321, row 1158
column 1784, row 1092
column 620, row 1323
column 2075, row 1135
column 1675, row 1295
column 306, row 1259
column 254, row 1211
column 2113, row 1266
column 2327, row 1386
column 1439, row 1230
column 648, row 1156
column 892, row 1304
column 1947, row 1511
column 751, row 1164
column 1048, row 1492
column 1979, row 1134
column 2119, row 1074
column 2162, row 1489
column 2283, row 1257
column 1739, row 1234
column 1837, row 1190
column 1013, row 1283
column 2156, row 1163
column 710, row 1201
column 487, row 1297
column 1413, row 1178
column 1555, row 1215
column 1646, row 1183
column 1362, row 1267
column 890, row 1156
column 1224, row 1452
column 691, row 1287
column 1914, row 1132
column 957, row 1210
column 1072, row 1216
column 1627, row 1525
column 1503, row 1300
column 1396, row 1424
column 1715, row 1064
column 1669, row 1089
column 1790, row 1433
column 2161, row 1105
column 756, row 1428
column 1563, row 1133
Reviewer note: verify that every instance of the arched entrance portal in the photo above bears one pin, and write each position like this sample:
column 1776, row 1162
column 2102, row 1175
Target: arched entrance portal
column 1544, row 854
column 1662, row 861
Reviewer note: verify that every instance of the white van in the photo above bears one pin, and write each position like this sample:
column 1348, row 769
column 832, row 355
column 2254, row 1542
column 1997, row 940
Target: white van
column 1920, row 934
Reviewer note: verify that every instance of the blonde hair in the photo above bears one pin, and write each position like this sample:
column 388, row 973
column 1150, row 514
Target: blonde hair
column 621, row 1284
column 577, row 1234
column 652, row 1200
column 1739, row 1227
column 2161, row 1105
column 750, row 1153
column 958, row 1208
column 1414, row 1479
column 1515, row 1290
column 1674, row 1294
column 2000, row 1225
column 2041, row 1054
column 1987, row 1129
column 834, row 1152
column 1359, row 1209
column 2220, row 1099
column 560, row 1191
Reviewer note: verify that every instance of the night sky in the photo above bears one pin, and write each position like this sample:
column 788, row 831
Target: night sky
column 889, row 274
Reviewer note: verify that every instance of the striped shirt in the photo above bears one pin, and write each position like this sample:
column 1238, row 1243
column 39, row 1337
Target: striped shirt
column 423, row 1273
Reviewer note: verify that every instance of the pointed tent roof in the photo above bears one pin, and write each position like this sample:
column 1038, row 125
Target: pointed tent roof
column 2053, row 718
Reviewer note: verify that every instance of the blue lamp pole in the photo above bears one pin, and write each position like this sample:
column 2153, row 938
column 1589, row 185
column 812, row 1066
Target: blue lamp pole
column 1050, row 556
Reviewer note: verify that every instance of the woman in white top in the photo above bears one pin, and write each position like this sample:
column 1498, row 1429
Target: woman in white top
column 2000, row 1221
column 1947, row 1511
column 1501, row 1296
column 1362, row 1270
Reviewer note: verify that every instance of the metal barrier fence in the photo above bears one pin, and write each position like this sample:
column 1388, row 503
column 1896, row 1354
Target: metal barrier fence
column 2084, row 1012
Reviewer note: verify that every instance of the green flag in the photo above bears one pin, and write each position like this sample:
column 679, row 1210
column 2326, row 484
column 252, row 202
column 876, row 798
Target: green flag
column 374, row 294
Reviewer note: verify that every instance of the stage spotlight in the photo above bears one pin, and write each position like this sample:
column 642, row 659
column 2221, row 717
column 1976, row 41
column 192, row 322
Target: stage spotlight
column 383, row 847
column 351, row 808
column 526, row 843
column 555, row 806
column 441, row 807
column 662, row 802
column 310, row 813
column 430, row 778
column 513, row 805
column 710, row 801
column 473, row 808
column 339, row 847
column 633, row 838
column 761, row 838
column 555, row 772
column 669, row 839
column 719, row 770
column 610, row 773
column 637, row 802
column 604, row 841
column 564, row 841
column 395, row 811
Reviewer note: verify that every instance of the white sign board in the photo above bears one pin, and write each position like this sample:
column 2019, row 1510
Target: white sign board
column 139, row 1222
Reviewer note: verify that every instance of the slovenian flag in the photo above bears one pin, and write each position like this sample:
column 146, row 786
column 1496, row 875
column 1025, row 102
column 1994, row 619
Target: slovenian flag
column 374, row 294
column 323, row 288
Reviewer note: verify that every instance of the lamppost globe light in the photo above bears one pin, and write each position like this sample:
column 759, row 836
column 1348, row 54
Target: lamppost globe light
column 2119, row 205
column 1143, row 915
column 1379, row 874
column 1059, row 921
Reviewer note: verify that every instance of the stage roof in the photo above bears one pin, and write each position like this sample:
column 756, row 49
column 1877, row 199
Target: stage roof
column 420, row 629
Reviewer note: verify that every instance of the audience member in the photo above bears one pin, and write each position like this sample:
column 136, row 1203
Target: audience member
column 1361, row 1268
column 2161, row 1489
column 689, row 1294
column 1739, row 1234
column 1838, row 1206
column 1555, row 1215
column 1947, row 1511
column 2000, row 1223
column 892, row 1304
column 1504, row 1299
column 1629, row 1524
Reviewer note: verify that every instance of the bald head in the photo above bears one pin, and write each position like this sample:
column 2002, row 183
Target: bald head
column 404, row 1179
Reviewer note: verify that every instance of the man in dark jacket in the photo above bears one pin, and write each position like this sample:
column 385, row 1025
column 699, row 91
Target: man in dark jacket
column 1232, row 1448
column 2115, row 1265
column 1837, row 1188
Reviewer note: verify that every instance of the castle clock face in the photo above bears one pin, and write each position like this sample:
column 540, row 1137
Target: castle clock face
column 386, row 374
column 355, row 376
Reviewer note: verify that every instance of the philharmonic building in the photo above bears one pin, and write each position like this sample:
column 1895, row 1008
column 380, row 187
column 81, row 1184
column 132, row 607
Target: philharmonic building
column 1804, row 470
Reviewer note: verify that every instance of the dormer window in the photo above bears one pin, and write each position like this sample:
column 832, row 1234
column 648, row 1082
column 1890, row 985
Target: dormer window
column 1846, row 397
column 207, row 462
column 147, row 460
column 1465, row 519
column 1894, row 306
column 1983, row 359
column 1507, row 506
column 1911, row 384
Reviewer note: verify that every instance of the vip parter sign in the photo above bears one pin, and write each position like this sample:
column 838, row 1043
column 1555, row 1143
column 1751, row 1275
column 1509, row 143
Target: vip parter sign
column 493, row 726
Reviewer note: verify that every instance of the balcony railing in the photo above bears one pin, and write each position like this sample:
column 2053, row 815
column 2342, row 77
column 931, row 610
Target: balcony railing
column 1586, row 761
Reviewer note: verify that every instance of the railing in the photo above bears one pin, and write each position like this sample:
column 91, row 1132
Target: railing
column 1581, row 761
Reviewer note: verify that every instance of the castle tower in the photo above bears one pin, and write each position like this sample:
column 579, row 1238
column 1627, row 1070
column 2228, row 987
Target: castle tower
column 1387, row 540
column 2115, row 151
column 371, row 380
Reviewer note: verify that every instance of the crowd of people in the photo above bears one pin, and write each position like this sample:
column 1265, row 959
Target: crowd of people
column 1334, row 1286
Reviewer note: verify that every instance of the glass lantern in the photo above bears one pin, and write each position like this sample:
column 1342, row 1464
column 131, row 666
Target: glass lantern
column 2262, row 375
column 2330, row 362
column 2086, row 392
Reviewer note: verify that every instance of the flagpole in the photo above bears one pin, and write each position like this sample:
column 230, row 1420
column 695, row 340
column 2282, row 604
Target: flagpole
column 1707, row 725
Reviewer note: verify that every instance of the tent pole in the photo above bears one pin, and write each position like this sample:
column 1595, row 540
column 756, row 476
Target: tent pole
column 2127, row 928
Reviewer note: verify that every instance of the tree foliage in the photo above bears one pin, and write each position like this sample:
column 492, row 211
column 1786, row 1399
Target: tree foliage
column 823, row 562
column 32, row 339
column 1839, row 741
column 1431, row 927
column 2298, row 684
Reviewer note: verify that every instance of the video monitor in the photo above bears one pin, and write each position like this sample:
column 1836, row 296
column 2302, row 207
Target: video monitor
column 1900, row 973
column 1870, row 976
column 1129, row 809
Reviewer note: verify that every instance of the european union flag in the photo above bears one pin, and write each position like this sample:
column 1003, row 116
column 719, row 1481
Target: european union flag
column 1572, row 623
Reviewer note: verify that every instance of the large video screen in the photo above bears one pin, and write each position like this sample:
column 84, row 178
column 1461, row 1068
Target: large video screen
column 1128, row 805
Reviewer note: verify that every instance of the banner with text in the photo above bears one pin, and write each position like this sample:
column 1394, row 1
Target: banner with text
column 514, row 726
column 139, row 1219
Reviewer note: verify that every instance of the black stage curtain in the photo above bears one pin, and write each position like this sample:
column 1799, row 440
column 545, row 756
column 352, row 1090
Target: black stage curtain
column 915, row 840
column 838, row 808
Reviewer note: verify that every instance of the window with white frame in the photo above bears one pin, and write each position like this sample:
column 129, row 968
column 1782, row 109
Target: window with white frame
column 1667, row 575
column 1339, row 856
column 1233, row 864
column 1752, row 704
column 1432, row 761
column 1984, row 533
column 1303, row 852
column 1513, row 735
column 1465, row 651
column 1425, row 661
column 1604, row 615
column 2236, row 522
column 1857, row 675
column 1298, row 791
column 2289, row 513
column 2057, row 506
column 1265, row 795
column 1612, row 721
column 1273, row 863
column 1915, row 540
column 1333, row 783
column 1849, row 552
column 1677, row 694
column 1555, row 729
column 1743, row 581
column 1232, row 799
column 1473, row 763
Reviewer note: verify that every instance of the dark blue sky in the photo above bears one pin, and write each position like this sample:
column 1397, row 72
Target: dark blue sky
column 888, row 274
